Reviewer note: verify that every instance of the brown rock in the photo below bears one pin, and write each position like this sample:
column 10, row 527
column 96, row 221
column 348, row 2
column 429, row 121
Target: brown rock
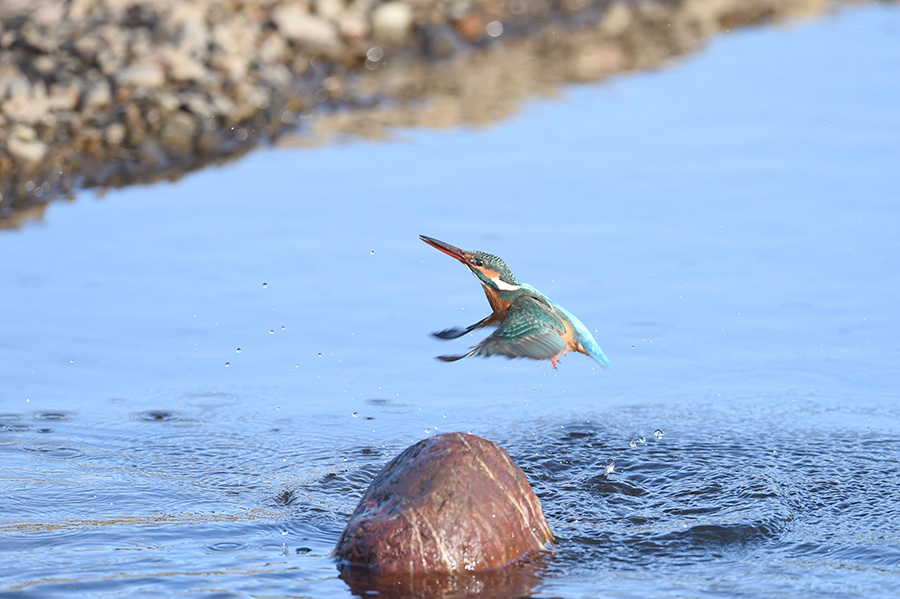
column 471, row 27
column 449, row 504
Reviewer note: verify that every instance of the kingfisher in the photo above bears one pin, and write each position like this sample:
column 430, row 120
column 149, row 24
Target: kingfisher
column 529, row 324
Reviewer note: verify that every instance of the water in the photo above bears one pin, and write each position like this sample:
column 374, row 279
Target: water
column 728, row 226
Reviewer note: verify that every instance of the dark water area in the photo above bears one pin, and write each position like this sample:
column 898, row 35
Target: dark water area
column 202, row 377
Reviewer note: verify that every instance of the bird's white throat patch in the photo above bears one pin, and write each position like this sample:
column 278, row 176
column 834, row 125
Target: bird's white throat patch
column 504, row 286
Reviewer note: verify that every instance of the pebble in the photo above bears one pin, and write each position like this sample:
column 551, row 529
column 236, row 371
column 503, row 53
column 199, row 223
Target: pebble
column 97, row 94
column 29, row 151
column 63, row 97
column 391, row 21
column 309, row 30
column 147, row 75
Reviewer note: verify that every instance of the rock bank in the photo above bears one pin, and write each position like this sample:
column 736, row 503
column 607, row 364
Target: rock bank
column 109, row 92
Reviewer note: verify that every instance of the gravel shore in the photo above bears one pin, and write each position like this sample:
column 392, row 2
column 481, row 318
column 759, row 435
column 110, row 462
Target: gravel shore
column 108, row 92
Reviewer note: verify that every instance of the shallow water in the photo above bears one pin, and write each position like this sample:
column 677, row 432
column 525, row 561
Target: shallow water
column 728, row 226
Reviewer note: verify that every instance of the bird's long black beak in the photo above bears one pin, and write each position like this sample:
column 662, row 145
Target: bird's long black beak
column 450, row 250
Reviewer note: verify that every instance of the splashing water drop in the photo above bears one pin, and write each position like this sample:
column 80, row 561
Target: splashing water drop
column 633, row 443
column 610, row 466
column 642, row 440
column 658, row 433
column 238, row 350
column 227, row 364
column 320, row 354
column 265, row 285
column 355, row 414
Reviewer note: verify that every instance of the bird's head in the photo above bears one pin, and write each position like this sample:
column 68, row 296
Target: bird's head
column 491, row 270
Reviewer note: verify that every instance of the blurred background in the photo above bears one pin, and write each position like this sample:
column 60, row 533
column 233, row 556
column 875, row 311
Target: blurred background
column 217, row 314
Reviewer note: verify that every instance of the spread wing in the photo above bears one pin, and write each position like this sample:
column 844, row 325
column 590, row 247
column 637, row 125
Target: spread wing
column 454, row 332
column 531, row 329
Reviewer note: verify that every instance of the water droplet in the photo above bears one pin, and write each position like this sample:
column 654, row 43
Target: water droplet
column 227, row 364
column 642, row 440
column 265, row 285
column 371, row 252
column 320, row 354
column 610, row 466
column 271, row 331
column 633, row 443
column 355, row 414
column 283, row 327
column 427, row 430
column 658, row 433
column 375, row 54
column 238, row 350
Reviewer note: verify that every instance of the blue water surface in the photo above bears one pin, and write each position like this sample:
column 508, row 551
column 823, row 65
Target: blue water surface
column 201, row 377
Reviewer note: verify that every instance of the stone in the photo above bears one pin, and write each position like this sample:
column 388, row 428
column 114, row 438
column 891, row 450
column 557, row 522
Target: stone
column 147, row 75
column 184, row 67
column 391, row 22
column 616, row 20
column 26, row 102
column 299, row 26
column 353, row 25
column 272, row 48
column 63, row 96
column 452, row 503
column 177, row 135
column 471, row 26
column 329, row 9
column 442, row 41
column 115, row 134
column 29, row 151
column 97, row 94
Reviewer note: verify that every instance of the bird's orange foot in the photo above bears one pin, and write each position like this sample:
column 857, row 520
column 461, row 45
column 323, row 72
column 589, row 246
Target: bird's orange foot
column 554, row 362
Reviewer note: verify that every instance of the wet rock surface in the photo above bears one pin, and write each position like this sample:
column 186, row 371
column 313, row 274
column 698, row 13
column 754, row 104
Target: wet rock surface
column 110, row 92
column 449, row 504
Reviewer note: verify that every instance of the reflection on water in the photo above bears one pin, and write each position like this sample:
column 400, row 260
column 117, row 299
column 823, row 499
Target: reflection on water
column 519, row 580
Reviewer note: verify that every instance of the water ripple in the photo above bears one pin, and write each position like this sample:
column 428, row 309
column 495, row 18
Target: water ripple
column 692, row 496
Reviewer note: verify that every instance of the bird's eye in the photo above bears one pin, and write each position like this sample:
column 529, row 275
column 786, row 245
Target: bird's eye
column 477, row 262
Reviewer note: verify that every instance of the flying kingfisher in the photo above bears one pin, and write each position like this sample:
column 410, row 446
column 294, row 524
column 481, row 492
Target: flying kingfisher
column 530, row 324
